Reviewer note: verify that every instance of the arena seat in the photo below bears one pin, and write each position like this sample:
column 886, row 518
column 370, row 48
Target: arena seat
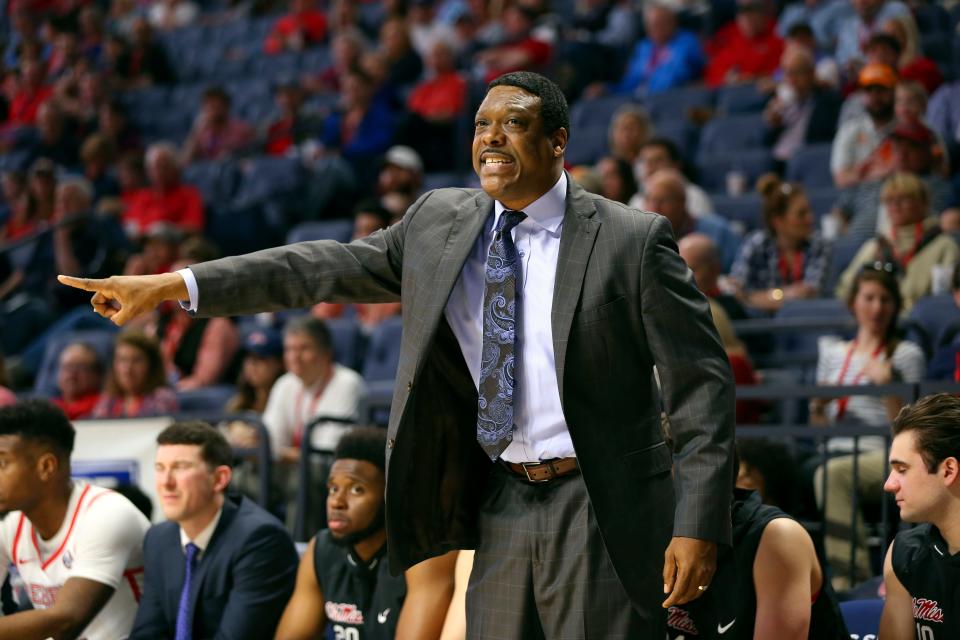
column 862, row 617
column 677, row 103
column 212, row 398
column 383, row 351
column 929, row 319
column 740, row 98
column 746, row 210
column 752, row 163
column 348, row 341
column 729, row 134
column 810, row 166
column 339, row 230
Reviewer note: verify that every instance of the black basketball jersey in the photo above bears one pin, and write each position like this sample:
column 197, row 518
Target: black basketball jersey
column 923, row 564
column 728, row 610
column 362, row 600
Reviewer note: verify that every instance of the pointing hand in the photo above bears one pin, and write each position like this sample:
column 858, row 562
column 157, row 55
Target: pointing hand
column 123, row 298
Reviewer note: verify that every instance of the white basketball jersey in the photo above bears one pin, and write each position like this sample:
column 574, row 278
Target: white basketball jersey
column 101, row 539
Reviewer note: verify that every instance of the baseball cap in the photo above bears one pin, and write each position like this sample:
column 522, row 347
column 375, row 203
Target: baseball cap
column 264, row 343
column 404, row 157
column 876, row 74
column 915, row 132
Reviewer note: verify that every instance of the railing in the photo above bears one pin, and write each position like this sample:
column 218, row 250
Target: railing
column 305, row 472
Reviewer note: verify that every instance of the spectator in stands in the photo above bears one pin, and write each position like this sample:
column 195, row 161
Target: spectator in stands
column 369, row 216
column 404, row 64
column 23, row 29
column 131, row 176
column 861, row 149
column 881, row 48
column 434, row 106
column 19, row 218
column 918, row 570
column 167, row 199
column 235, row 564
column 166, row 15
column 90, row 33
column 945, row 362
column 746, row 49
column 943, row 112
column 137, row 385
column 97, row 154
column 31, row 91
column 913, row 246
column 64, row 52
column 402, row 172
column 76, row 547
column 412, row 605
column 314, row 385
column 666, row 194
column 114, row 124
column 305, row 26
column 667, row 58
column 912, row 64
column 84, row 244
column 701, row 256
column 361, row 128
column 79, row 380
column 788, row 259
column 262, row 366
column 426, row 29
column 855, row 31
column 521, row 49
column 43, row 189
column 292, row 126
column 146, row 62
column 215, row 134
column 657, row 154
column 630, row 129
column 876, row 356
column 197, row 352
column 823, row 17
column 617, row 180
column 160, row 249
column 51, row 138
column 800, row 112
column 910, row 108
column 826, row 71
column 80, row 98
column 345, row 51
column 7, row 396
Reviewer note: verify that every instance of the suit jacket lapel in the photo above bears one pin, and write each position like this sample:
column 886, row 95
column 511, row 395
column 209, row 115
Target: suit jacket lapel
column 576, row 244
column 230, row 509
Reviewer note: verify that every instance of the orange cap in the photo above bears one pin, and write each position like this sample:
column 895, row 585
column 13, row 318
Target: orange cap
column 875, row 74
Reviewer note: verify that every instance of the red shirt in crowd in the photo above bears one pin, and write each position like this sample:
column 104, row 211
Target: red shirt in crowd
column 82, row 407
column 925, row 71
column 441, row 97
column 25, row 103
column 181, row 206
column 537, row 53
column 730, row 50
column 310, row 26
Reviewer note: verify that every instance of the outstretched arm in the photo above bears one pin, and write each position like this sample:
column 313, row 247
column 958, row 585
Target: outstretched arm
column 123, row 298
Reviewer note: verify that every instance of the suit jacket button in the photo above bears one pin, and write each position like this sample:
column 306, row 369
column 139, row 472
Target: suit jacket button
column 390, row 443
column 409, row 387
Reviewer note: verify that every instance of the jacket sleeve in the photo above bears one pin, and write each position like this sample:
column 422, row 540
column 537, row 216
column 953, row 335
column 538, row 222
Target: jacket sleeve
column 151, row 622
column 696, row 386
column 263, row 580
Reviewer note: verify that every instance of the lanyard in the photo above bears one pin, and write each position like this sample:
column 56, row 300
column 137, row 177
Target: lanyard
column 301, row 420
column 917, row 239
column 788, row 275
column 844, row 401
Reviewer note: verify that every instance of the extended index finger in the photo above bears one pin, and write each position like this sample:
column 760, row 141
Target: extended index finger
column 87, row 284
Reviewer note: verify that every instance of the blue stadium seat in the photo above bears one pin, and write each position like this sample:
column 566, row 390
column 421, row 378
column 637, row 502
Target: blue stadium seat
column 681, row 133
column 348, row 341
column 746, row 209
column 100, row 340
column 268, row 177
column 339, row 230
column 283, row 65
column 596, row 111
column 740, row 98
column 587, row 145
column 822, row 200
column 862, row 617
column 800, row 347
column 810, row 166
column 213, row 398
column 677, row 103
column 216, row 179
column 383, row 351
column 237, row 229
column 929, row 318
column 752, row 163
column 931, row 17
column 441, row 180
column 730, row 134
column 841, row 255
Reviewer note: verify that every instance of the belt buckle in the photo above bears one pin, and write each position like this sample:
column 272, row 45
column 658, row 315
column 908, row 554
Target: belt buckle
column 526, row 469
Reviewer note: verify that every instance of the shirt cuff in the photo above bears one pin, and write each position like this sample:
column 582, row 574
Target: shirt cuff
column 191, row 281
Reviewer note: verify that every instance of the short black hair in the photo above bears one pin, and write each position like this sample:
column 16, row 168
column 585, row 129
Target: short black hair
column 668, row 145
column 41, row 422
column 800, row 29
column 554, row 110
column 364, row 443
column 935, row 422
column 374, row 208
column 216, row 92
column 214, row 448
column 884, row 40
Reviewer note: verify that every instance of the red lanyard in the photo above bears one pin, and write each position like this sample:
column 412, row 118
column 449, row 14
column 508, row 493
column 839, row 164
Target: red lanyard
column 842, row 402
column 917, row 239
column 788, row 276
column 298, row 429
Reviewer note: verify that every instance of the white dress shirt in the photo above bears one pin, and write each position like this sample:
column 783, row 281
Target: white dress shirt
column 203, row 538
column 541, row 430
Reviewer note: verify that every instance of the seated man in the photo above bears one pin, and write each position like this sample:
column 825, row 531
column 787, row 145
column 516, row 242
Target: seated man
column 76, row 547
column 219, row 567
column 771, row 585
column 920, row 569
column 167, row 199
column 79, row 380
column 344, row 585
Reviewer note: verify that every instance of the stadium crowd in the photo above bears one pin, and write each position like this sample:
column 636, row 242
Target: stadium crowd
column 805, row 154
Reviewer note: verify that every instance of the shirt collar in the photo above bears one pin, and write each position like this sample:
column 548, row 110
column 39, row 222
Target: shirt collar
column 203, row 538
column 547, row 210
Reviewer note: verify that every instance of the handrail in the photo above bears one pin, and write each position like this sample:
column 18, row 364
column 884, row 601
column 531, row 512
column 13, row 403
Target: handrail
column 757, row 326
column 307, row 450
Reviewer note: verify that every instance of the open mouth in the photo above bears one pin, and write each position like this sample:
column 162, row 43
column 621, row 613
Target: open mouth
column 494, row 160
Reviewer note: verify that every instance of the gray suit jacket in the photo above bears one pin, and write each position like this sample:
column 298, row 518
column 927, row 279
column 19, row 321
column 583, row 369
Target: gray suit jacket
column 623, row 301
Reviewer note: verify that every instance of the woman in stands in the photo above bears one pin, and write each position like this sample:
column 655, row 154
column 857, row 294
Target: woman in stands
column 876, row 356
column 136, row 387
column 787, row 260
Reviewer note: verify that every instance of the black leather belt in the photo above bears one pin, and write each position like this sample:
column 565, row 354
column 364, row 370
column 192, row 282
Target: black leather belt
column 537, row 472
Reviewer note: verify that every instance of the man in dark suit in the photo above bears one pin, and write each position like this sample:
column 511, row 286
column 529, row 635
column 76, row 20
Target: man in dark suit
column 534, row 313
column 219, row 567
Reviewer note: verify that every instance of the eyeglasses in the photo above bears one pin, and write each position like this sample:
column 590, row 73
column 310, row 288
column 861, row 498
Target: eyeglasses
column 881, row 266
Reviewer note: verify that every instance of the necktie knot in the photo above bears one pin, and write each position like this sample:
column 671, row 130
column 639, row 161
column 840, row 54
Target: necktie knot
column 508, row 220
column 192, row 551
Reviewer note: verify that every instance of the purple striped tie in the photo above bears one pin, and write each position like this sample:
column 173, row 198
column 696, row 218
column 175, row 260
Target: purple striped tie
column 185, row 610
